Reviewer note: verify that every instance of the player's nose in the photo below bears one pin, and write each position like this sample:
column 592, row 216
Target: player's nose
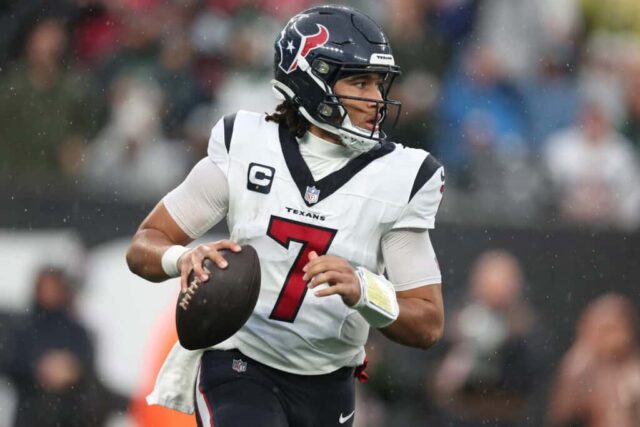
column 373, row 99
column 373, row 92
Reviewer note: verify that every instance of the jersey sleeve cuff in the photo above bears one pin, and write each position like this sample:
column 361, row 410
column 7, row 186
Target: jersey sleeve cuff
column 433, row 280
column 167, row 201
column 415, row 224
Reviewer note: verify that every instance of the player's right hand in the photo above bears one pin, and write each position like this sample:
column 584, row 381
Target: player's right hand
column 192, row 260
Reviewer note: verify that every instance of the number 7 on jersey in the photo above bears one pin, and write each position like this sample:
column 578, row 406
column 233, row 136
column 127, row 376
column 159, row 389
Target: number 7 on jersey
column 313, row 238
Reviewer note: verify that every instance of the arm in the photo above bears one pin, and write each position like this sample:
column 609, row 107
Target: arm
column 411, row 266
column 157, row 233
column 184, row 214
column 421, row 320
column 567, row 401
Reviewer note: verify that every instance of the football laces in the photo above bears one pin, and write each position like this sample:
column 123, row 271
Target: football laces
column 190, row 292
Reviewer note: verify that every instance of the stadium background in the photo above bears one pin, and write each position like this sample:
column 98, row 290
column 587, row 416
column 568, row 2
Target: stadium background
column 533, row 107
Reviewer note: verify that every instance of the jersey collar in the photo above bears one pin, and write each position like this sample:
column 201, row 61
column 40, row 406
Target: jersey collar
column 331, row 183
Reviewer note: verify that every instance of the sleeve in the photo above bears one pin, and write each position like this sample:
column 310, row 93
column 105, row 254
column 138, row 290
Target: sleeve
column 410, row 259
column 220, row 141
column 426, row 194
column 201, row 200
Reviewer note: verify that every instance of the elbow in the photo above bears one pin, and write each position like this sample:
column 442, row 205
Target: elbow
column 434, row 326
column 138, row 267
column 431, row 337
column 433, row 331
column 134, row 262
column 134, row 267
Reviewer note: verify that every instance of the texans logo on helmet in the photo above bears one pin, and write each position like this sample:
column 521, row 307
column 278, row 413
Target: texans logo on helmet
column 299, row 46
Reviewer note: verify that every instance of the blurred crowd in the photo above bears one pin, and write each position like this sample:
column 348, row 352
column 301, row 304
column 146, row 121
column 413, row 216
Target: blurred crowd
column 532, row 106
column 494, row 368
column 49, row 359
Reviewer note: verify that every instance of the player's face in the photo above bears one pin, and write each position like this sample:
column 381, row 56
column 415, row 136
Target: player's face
column 363, row 114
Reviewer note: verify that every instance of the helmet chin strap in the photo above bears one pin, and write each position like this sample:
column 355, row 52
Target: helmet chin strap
column 355, row 139
column 348, row 134
column 351, row 136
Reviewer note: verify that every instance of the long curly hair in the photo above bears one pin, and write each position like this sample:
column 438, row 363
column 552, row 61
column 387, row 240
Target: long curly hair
column 287, row 114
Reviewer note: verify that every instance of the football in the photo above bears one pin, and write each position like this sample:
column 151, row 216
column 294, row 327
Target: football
column 210, row 312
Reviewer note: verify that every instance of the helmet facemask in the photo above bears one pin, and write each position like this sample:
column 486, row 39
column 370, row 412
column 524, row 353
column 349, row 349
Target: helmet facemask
column 333, row 112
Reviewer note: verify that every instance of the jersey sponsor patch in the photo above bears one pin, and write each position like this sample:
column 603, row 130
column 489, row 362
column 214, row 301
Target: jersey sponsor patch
column 260, row 178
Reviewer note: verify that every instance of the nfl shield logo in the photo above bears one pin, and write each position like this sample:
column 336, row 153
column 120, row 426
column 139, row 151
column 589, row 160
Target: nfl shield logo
column 311, row 195
column 239, row 365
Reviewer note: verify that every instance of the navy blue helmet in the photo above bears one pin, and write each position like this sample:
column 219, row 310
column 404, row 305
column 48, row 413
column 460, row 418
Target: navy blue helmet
column 318, row 47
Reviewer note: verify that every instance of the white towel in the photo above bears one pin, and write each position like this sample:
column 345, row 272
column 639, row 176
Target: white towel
column 176, row 380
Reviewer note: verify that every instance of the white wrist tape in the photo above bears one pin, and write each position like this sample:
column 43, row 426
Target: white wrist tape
column 378, row 304
column 170, row 260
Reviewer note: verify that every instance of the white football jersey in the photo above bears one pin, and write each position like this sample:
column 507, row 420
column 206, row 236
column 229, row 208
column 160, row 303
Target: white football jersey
column 276, row 206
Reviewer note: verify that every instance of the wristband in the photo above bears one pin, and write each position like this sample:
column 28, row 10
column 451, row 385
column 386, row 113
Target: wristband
column 378, row 304
column 170, row 259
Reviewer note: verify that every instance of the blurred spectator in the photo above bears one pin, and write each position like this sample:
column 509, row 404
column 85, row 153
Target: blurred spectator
column 96, row 33
column 631, row 128
column 284, row 9
column 598, row 381
column 519, row 32
column 453, row 19
column 178, row 82
column 493, row 362
column 197, row 130
column 18, row 17
column 551, row 100
column 479, row 112
column 604, row 72
column 422, row 54
column 137, row 52
column 131, row 159
column 248, row 60
column 482, row 139
column 594, row 172
column 50, row 362
column 175, row 16
column 613, row 15
column 47, row 112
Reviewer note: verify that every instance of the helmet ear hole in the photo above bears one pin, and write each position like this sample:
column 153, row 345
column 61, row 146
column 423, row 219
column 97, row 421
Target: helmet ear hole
column 325, row 110
column 321, row 67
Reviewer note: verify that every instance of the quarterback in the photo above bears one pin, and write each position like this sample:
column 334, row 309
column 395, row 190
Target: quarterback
column 330, row 205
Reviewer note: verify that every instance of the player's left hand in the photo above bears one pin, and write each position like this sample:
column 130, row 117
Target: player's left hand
column 335, row 272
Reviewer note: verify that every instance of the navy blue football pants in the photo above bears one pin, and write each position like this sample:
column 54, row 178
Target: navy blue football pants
column 235, row 391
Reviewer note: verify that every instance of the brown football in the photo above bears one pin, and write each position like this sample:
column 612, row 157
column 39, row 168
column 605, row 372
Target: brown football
column 210, row 312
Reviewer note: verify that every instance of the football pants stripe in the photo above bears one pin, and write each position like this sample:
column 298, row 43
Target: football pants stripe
column 203, row 408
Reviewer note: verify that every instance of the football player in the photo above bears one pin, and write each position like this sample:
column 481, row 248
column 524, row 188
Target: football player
column 329, row 204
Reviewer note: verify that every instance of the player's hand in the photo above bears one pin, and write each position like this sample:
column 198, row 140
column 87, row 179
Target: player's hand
column 192, row 260
column 337, row 273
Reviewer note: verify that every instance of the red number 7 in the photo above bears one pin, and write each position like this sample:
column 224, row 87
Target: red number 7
column 313, row 238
